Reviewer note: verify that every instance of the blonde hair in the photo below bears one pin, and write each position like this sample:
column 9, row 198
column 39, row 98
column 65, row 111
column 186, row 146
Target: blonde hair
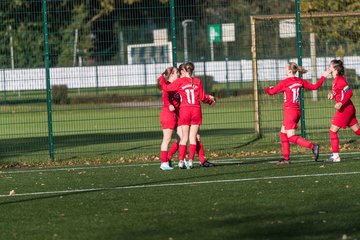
column 295, row 68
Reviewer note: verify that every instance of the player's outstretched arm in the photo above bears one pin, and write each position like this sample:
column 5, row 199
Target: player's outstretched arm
column 209, row 99
column 168, row 87
column 271, row 90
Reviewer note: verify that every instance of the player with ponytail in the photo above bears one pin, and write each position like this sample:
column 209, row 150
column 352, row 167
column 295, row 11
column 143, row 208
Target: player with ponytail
column 192, row 93
column 345, row 114
column 291, row 87
column 169, row 115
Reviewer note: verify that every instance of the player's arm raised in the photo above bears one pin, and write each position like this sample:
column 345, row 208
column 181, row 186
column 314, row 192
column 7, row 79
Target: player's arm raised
column 209, row 99
column 168, row 87
column 274, row 90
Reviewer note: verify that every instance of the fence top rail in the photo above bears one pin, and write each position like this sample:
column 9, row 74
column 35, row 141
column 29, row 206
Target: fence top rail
column 305, row 15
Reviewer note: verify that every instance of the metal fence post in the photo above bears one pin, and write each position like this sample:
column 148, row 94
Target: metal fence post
column 255, row 77
column 48, row 87
column 299, row 50
column 145, row 80
column 173, row 32
column 227, row 77
column 97, row 79
column 4, row 85
column 205, row 78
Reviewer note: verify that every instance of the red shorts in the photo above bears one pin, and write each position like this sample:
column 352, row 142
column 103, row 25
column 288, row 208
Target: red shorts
column 344, row 117
column 190, row 116
column 291, row 118
column 168, row 119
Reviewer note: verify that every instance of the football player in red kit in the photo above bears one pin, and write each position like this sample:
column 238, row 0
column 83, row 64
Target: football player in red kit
column 345, row 114
column 168, row 118
column 192, row 93
column 291, row 88
column 169, row 115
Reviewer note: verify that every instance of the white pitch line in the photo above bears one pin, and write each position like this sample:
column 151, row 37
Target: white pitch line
column 178, row 184
column 105, row 166
column 224, row 161
column 76, row 168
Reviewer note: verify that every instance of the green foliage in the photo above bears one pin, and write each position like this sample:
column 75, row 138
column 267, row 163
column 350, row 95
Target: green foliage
column 352, row 78
column 59, row 94
column 99, row 23
column 208, row 82
column 25, row 30
column 80, row 26
column 28, row 45
column 342, row 34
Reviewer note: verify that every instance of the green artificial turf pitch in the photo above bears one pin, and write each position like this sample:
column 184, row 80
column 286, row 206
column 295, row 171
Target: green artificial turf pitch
column 248, row 198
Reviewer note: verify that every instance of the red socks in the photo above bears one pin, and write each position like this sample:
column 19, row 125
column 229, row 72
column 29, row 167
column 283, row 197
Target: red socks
column 285, row 145
column 163, row 155
column 334, row 140
column 192, row 151
column 174, row 147
column 301, row 141
column 198, row 148
column 357, row 132
column 182, row 152
column 200, row 151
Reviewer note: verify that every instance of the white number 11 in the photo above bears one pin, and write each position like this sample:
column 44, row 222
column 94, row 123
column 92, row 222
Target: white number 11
column 295, row 94
column 190, row 96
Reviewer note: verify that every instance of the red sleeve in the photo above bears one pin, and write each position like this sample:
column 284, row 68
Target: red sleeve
column 274, row 90
column 170, row 87
column 347, row 95
column 161, row 80
column 201, row 91
column 346, row 92
column 207, row 99
column 317, row 85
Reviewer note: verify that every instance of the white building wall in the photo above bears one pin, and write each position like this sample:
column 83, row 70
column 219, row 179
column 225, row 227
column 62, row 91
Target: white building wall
column 138, row 75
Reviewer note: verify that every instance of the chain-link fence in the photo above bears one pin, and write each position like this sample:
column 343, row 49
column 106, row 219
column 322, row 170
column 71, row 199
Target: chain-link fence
column 102, row 58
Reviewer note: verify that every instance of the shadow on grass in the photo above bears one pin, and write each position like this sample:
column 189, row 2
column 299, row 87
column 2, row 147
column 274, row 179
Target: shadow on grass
column 21, row 146
column 157, row 183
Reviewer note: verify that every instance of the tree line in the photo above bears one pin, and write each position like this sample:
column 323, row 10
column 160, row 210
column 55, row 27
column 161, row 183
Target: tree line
column 98, row 31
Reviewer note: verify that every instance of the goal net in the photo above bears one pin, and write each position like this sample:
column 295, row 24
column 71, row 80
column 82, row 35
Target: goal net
column 324, row 36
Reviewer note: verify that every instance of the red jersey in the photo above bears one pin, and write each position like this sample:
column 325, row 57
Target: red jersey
column 291, row 88
column 190, row 89
column 170, row 98
column 341, row 91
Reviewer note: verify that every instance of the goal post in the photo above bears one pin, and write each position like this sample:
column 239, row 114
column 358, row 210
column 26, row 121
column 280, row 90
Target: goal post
column 254, row 20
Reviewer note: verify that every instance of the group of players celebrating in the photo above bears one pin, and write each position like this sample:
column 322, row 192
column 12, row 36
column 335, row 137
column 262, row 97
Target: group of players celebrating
column 183, row 94
column 182, row 97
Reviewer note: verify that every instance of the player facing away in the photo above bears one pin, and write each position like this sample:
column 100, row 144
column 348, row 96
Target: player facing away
column 192, row 93
column 208, row 99
column 291, row 87
column 170, row 109
column 169, row 115
column 199, row 148
column 345, row 113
